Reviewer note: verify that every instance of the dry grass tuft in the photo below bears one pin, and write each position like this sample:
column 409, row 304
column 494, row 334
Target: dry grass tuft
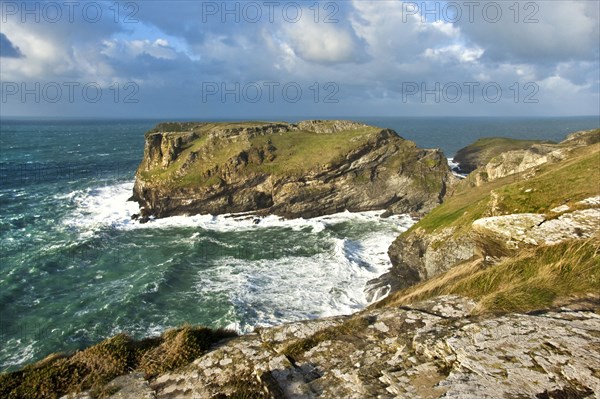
column 92, row 368
column 537, row 279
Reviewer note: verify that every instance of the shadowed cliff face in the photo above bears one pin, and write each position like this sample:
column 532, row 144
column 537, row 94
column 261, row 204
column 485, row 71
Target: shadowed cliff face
column 307, row 169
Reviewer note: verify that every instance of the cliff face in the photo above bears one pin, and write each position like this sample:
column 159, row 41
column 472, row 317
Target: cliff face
column 483, row 150
column 554, row 198
column 292, row 170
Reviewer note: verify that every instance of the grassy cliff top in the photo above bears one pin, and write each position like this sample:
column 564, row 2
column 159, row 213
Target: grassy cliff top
column 538, row 278
column 483, row 150
column 554, row 184
column 275, row 148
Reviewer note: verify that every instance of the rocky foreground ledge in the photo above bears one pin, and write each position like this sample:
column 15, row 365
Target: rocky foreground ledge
column 430, row 349
column 307, row 169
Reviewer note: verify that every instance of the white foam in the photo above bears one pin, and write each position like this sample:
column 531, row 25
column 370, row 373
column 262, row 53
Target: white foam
column 264, row 292
column 268, row 292
column 455, row 169
column 101, row 207
column 18, row 353
column 108, row 207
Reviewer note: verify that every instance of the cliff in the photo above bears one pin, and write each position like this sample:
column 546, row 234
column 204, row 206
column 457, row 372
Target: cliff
column 483, row 150
column 496, row 295
column 490, row 159
column 554, row 199
column 292, row 170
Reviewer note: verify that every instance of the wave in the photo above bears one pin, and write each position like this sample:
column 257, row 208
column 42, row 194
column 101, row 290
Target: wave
column 268, row 292
column 455, row 168
column 107, row 206
column 257, row 288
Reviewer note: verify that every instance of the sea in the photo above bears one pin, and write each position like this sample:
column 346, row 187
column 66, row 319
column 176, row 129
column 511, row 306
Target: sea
column 75, row 269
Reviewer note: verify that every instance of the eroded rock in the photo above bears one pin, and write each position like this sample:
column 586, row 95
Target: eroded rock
column 308, row 169
column 431, row 349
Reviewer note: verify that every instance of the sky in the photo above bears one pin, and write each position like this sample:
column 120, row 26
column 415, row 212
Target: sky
column 259, row 59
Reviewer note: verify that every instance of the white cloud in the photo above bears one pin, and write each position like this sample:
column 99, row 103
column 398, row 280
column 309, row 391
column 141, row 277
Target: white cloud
column 322, row 42
column 133, row 48
column 564, row 30
column 43, row 55
column 369, row 54
column 454, row 52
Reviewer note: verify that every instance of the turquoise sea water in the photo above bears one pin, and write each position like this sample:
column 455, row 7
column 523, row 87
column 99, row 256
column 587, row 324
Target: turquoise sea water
column 74, row 269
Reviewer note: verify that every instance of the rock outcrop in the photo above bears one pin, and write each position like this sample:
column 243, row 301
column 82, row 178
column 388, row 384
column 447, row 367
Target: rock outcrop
column 494, row 159
column 485, row 220
column 484, row 150
column 421, row 255
column 431, row 349
column 292, row 170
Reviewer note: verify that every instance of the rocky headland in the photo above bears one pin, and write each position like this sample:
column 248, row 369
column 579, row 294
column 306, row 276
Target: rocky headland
column 493, row 294
column 307, row 169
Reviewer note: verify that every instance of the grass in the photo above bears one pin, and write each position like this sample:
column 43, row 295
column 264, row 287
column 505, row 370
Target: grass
column 485, row 149
column 92, row 368
column 567, row 182
column 294, row 152
column 574, row 180
column 536, row 279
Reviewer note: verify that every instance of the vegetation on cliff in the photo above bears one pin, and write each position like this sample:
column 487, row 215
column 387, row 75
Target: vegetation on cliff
column 94, row 367
column 293, row 170
column 554, row 196
column 538, row 278
column 549, row 186
column 483, row 150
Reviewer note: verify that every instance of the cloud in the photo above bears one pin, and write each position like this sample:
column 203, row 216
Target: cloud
column 370, row 53
column 158, row 48
column 546, row 31
column 324, row 43
column 454, row 52
column 7, row 49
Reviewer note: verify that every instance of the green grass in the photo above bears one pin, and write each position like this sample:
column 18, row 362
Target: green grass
column 485, row 149
column 95, row 366
column 537, row 279
column 573, row 181
column 299, row 151
column 566, row 182
column 295, row 152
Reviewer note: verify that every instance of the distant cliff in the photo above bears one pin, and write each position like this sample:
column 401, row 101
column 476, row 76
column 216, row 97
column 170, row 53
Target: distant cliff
column 292, row 170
